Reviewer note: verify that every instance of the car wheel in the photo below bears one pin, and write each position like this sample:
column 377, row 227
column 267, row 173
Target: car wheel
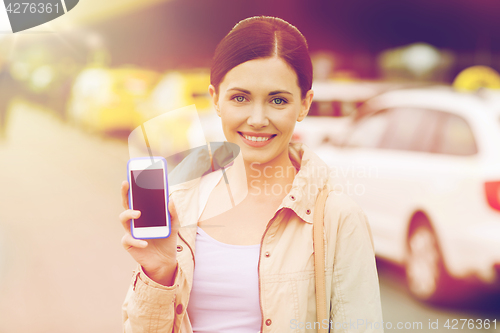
column 426, row 274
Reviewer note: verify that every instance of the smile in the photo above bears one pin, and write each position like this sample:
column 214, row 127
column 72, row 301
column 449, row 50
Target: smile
column 256, row 140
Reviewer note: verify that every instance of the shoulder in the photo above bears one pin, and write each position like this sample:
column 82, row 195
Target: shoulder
column 341, row 206
column 346, row 217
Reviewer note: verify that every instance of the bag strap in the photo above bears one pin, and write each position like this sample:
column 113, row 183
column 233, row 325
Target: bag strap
column 319, row 259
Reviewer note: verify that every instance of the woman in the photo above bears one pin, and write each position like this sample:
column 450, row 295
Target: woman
column 256, row 272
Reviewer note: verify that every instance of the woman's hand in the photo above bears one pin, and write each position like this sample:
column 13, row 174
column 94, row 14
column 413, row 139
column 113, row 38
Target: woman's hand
column 156, row 256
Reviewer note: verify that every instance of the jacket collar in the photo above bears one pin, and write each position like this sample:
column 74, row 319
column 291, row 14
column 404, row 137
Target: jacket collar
column 310, row 179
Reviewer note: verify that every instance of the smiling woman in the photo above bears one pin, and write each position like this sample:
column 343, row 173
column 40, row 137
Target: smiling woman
column 255, row 268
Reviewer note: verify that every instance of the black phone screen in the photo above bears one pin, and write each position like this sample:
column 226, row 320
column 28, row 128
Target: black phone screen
column 148, row 196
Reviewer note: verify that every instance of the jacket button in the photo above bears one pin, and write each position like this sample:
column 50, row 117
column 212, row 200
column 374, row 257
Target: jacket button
column 308, row 211
column 269, row 322
column 292, row 197
column 178, row 309
column 179, row 248
column 268, row 254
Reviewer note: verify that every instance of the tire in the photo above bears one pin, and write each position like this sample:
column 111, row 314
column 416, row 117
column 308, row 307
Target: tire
column 426, row 274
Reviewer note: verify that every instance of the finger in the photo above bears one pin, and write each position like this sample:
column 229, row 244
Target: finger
column 174, row 220
column 172, row 210
column 130, row 242
column 125, row 187
column 127, row 215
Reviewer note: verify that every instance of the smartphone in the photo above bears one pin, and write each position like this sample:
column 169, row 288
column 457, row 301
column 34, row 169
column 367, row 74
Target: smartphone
column 148, row 193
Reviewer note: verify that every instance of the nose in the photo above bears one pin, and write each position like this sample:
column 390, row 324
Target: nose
column 258, row 117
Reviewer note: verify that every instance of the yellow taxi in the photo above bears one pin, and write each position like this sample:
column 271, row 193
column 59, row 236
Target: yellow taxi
column 105, row 100
column 170, row 125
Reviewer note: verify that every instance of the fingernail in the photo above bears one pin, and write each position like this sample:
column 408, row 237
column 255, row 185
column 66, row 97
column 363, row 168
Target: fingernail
column 136, row 214
column 144, row 243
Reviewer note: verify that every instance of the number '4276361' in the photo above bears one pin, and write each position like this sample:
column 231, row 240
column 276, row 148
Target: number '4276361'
column 463, row 324
column 31, row 7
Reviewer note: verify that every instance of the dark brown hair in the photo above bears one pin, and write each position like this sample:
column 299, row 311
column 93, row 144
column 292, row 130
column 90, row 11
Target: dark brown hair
column 262, row 37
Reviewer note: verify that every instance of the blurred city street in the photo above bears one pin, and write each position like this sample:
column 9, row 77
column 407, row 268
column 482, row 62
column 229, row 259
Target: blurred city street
column 62, row 267
column 405, row 112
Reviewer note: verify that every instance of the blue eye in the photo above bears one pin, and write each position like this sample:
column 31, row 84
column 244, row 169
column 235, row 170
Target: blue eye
column 279, row 101
column 239, row 99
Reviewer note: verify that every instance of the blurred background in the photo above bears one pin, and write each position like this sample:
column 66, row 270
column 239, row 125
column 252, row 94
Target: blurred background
column 406, row 111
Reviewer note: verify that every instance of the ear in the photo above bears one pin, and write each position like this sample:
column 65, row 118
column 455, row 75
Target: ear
column 215, row 98
column 305, row 105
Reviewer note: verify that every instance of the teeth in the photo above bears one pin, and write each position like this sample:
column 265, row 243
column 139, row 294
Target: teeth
column 256, row 138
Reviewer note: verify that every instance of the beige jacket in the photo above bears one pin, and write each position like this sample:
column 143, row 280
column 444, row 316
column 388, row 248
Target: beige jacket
column 286, row 264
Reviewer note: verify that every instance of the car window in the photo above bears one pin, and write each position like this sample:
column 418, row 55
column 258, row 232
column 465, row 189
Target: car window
column 406, row 129
column 427, row 133
column 323, row 109
column 332, row 108
column 349, row 108
column 456, row 137
column 368, row 131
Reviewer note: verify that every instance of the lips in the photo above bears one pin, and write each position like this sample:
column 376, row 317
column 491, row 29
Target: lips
column 256, row 139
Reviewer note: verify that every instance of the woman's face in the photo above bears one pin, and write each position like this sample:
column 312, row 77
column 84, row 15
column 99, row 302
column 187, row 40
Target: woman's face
column 259, row 102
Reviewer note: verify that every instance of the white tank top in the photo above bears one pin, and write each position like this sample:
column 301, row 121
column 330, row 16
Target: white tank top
column 225, row 293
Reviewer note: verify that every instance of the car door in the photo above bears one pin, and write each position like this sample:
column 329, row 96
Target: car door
column 453, row 189
column 392, row 180
column 354, row 166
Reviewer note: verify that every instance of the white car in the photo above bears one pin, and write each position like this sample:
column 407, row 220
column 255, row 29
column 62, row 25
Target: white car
column 333, row 103
column 424, row 164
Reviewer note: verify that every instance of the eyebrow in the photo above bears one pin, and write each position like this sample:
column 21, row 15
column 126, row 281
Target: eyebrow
column 272, row 93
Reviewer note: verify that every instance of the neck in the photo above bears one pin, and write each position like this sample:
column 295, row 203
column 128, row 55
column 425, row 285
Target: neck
column 272, row 179
column 264, row 181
